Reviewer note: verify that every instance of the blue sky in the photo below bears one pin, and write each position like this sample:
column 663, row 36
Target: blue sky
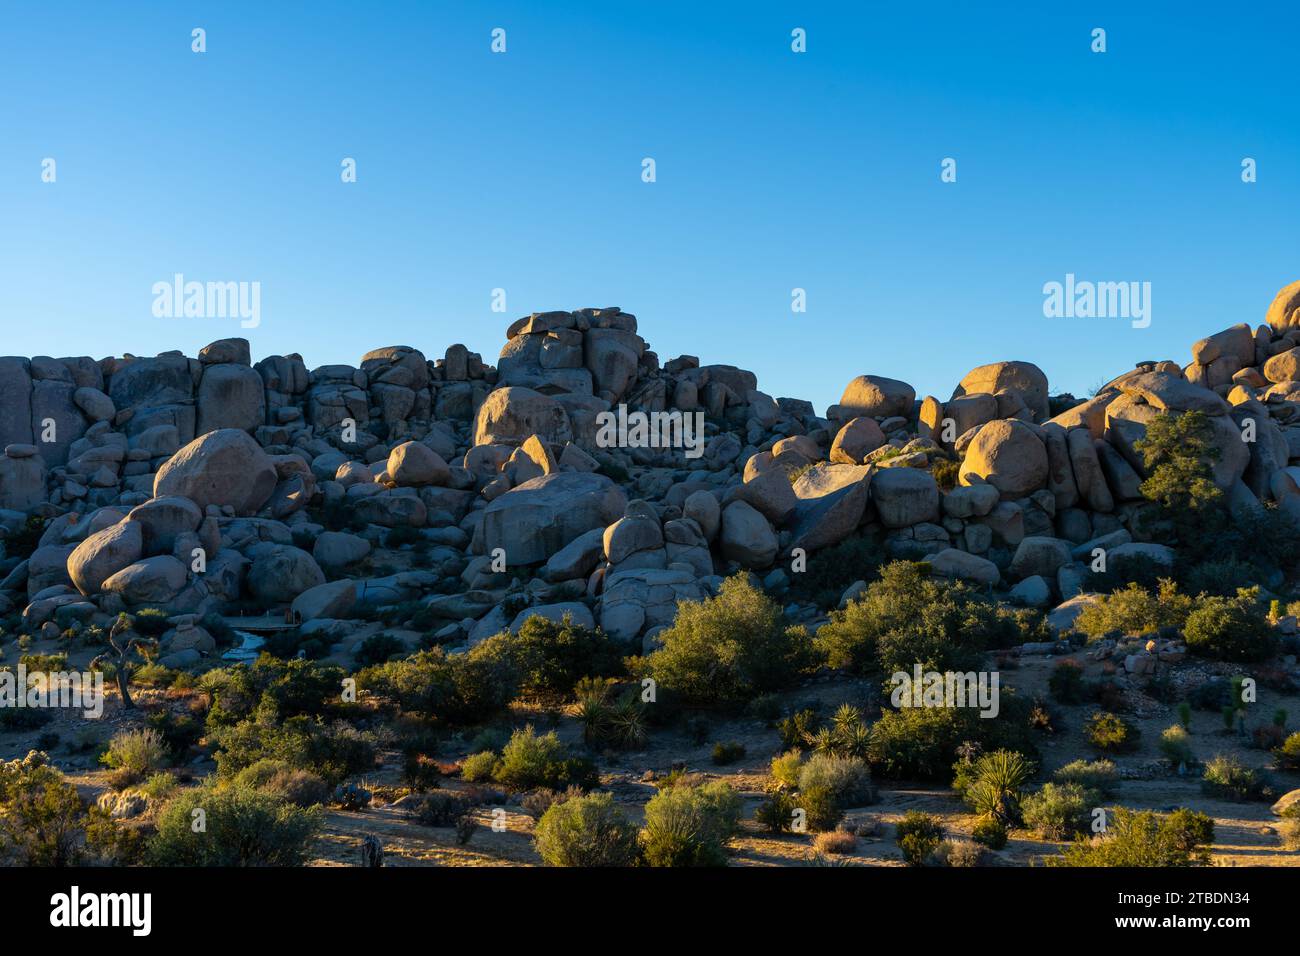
column 775, row 170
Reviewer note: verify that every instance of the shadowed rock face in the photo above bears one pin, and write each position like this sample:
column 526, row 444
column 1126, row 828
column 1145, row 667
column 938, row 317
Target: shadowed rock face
column 414, row 477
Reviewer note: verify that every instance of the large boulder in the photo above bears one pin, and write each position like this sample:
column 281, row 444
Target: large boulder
column 332, row 600
column 335, row 550
column 1024, row 378
column 905, row 496
column 746, row 537
column 874, row 396
column 412, row 464
column 1009, row 455
column 771, row 494
column 959, row 565
column 105, row 553
column 1284, row 311
column 15, row 401
column 509, row 416
column 224, row 467
column 857, row 439
column 832, row 500
column 538, row 518
column 1039, row 555
column 22, row 478
column 281, row 572
column 230, row 396
column 155, row 580
column 162, row 519
column 642, row 598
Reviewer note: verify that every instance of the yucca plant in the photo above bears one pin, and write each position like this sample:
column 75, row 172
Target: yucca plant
column 997, row 780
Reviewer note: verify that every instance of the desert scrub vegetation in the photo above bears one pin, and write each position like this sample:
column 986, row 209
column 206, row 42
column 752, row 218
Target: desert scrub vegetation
column 1099, row 775
column 1230, row 629
column 586, row 831
column 856, row 558
column 690, row 825
column 44, row 822
column 924, row 742
column 726, row 650
column 829, row 785
column 1227, row 777
column 302, row 788
column 992, row 784
column 529, row 761
column 918, row 835
column 1143, row 838
column 908, row 617
column 1111, row 733
column 243, row 827
column 334, row 751
column 134, row 754
column 1135, row 610
column 1059, row 810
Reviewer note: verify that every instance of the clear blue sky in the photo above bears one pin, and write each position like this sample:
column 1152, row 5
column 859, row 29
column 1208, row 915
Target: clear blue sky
column 775, row 170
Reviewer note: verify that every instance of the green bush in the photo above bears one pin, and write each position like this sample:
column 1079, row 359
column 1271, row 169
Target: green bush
column 586, row 831
column 785, row 769
column 242, row 827
column 378, row 648
column 1176, row 745
column 334, row 751
column 776, row 812
column 923, row 742
column 1066, row 683
column 1288, row 755
column 1111, row 733
column 727, row 753
column 1229, row 778
column 1058, row 810
column 690, row 826
column 529, row 761
column 908, row 617
column 1231, row 629
column 1099, row 775
column 727, row 650
column 479, row 767
column 1135, row 610
column 829, row 785
column 137, row 752
column 831, row 570
column 456, row 689
column 918, row 835
column 1137, row 838
column 277, row 778
column 43, row 821
column 991, row 833
column 550, row 657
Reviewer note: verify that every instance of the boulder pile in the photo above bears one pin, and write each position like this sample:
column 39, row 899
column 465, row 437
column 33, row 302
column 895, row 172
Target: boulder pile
column 484, row 494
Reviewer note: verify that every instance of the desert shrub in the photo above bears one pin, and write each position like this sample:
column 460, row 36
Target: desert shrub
column 150, row 622
column 1223, row 577
column 1135, row 610
column 923, row 742
column 991, row 833
column 1213, row 695
column 776, row 812
column 1099, row 775
column 1288, row 755
column 299, row 787
column 610, row 721
column 14, row 719
column 833, row 569
column 908, row 617
column 918, row 835
column 586, row 831
column 550, row 657
column 958, row 853
column 378, row 648
column 42, row 819
column 1058, row 810
column 443, row 808
column 1230, row 629
column 243, row 828
column 830, row 785
column 333, row 751
column 1135, row 838
column 1228, row 777
column 529, row 761
column 835, row 842
column 690, row 826
column 726, row 650
column 135, row 752
column 179, row 732
column 159, row 786
column 1111, row 733
column 456, row 689
column 726, row 753
column 479, row 767
column 1066, row 683
column 1179, row 453
column 846, row 735
column 539, row 801
column 1176, row 745
column 420, row 771
column 785, row 769
column 991, row 785
column 798, row 728
column 1189, row 828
